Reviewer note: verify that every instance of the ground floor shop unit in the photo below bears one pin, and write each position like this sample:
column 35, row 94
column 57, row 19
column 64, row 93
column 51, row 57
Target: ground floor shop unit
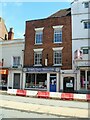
column 15, row 80
column 51, row 79
column 3, row 78
column 45, row 79
column 83, row 77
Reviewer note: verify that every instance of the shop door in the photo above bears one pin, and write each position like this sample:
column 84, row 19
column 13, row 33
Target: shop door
column 16, row 84
column 68, row 84
column 53, row 82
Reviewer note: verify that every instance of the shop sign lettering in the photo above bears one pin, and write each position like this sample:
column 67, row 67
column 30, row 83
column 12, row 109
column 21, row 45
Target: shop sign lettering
column 42, row 69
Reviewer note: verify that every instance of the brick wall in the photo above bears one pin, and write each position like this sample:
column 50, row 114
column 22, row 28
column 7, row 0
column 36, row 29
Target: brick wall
column 48, row 34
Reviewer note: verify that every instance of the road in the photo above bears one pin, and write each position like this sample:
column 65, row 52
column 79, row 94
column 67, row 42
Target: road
column 12, row 113
column 45, row 107
column 50, row 102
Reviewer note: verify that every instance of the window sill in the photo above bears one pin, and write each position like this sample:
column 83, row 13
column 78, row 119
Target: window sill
column 57, row 42
column 38, row 44
column 38, row 65
column 57, row 65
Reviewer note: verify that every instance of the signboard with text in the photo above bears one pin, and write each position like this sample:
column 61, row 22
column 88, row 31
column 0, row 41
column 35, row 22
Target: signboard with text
column 43, row 69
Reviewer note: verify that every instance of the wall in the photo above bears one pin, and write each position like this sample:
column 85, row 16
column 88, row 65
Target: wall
column 3, row 29
column 10, row 49
column 48, row 44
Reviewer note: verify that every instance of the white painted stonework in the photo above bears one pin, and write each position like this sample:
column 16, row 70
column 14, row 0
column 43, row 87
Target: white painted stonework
column 8, row 49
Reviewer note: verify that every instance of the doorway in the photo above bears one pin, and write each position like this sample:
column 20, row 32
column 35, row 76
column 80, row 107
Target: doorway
column 53, row 79
column 68, row 84
column 16, row 84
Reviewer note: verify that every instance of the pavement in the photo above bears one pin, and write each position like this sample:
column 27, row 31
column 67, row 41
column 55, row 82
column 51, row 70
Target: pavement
column 54, row 110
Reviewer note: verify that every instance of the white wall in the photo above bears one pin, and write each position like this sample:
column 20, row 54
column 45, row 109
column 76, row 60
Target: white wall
column 10, row 49
column 79, row 13
column 80, row 36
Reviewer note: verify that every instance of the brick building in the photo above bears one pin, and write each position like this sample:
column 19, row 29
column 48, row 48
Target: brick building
column 48, row 50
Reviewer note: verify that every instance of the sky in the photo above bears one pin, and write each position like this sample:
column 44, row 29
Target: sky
column 15, row 14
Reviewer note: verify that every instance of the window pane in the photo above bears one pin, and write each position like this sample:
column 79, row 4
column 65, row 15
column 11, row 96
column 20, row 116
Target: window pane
column 85, row 51
column 57, row 57
column 39, row 37
column 16, row 60
column 57, row 36
column 86, row 4
column 38, row 58
column 87, row 25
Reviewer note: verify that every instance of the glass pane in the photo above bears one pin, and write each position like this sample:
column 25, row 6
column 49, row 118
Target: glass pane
column 82, row 79
column 88, row 79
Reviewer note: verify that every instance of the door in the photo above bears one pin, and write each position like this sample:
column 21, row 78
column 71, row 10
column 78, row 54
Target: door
column 53, row 82
column 68, row 84
column 16, row 84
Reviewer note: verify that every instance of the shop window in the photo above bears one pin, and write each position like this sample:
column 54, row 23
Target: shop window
column 3, row 80
column 88, row 80
column 37, row 81
column 82, row 79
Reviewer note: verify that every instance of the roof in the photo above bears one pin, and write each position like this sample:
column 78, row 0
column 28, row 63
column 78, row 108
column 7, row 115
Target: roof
column 62, row 13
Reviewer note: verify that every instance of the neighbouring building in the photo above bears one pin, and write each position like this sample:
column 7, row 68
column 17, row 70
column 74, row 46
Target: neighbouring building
column 3, row 30
column 11, row 62
column 48, row 52
column 80, row 10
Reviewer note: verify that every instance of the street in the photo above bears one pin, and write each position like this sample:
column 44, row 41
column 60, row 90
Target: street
column 27, row 107
column 11, row 113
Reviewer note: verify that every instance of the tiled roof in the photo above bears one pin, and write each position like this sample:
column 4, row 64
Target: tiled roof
column 62, row 13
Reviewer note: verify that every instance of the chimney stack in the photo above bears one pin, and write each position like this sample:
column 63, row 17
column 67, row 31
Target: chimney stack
column 10, row 34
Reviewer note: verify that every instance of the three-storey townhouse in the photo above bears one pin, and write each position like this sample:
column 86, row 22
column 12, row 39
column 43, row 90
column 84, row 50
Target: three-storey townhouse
column 48, row 51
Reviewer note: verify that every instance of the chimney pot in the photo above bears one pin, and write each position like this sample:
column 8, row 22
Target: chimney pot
column 10, row 34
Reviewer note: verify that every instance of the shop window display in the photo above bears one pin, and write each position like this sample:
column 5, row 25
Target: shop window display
column 85, row 79
column 3, row 80
column 36, row 81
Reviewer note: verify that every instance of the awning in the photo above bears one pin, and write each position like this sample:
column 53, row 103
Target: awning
column 4, row 71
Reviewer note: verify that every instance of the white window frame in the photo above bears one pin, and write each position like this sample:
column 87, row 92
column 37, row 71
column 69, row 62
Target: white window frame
column 39, row 32
column 38, row 51
column 15, row 64
column 59, row 49
column 58, row 32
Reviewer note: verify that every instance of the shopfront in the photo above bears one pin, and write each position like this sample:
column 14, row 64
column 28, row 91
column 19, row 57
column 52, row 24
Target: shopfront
column 42, row 78
column 85, row 79
column 3, row 78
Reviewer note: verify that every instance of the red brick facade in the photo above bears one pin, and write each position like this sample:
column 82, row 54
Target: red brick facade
column 48, row 44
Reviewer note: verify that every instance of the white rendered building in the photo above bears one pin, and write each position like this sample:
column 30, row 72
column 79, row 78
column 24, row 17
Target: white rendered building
column 11, row 52
column 80, row 10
